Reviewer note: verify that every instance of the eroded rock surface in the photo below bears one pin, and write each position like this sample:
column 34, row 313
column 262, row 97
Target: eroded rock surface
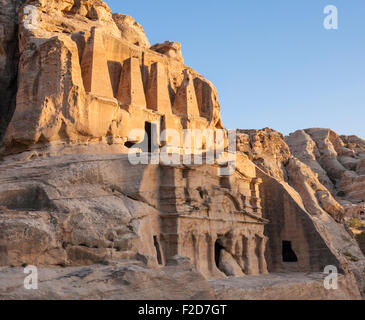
column 131, row 30
column 130, row 280
column 74, row 79
column 71, row 198
column 9, row 59
column 123, row 280
column 338, row 161
column 306, row 169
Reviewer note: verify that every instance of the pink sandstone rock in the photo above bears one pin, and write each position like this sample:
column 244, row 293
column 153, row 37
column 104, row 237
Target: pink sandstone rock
column 69, row 195
column 131, row 90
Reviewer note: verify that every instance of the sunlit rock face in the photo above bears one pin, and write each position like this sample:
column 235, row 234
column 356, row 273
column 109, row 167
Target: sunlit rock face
column 86, row 74
column 131, row 30
column 79, row 80
column 306, row 172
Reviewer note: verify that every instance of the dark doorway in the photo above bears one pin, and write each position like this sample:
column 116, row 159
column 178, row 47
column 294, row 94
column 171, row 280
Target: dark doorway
column 217, row 252
column 151, row 145
column 158, row 250
column 288, row 253
column 151, row 132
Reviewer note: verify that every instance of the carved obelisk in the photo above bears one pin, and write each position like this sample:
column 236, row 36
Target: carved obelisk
column 158, row 97
column 130, row 91
column 186, row 103
column 94, row 66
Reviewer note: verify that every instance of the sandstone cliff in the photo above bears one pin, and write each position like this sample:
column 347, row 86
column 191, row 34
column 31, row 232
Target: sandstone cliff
column 71, row 58
column 313, row 165
column 338, row 161
column 78, row 81
column 9, row 59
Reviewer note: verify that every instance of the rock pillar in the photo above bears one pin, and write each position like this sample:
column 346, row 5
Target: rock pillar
column 158, row 97
column 186, row 103
column 130, row 91
column 250, row 257
column 94, row 66
column 261, row 246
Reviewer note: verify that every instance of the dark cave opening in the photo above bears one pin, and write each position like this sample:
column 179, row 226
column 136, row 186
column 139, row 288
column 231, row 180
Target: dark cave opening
column 288, row 253
column 217, row 252
column 158, row 250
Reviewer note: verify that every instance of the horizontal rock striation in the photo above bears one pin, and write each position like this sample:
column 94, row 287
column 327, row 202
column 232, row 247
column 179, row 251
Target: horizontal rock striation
column 77, row 81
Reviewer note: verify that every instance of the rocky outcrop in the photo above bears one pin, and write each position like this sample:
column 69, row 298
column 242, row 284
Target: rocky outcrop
column 170, row 49
column 73, row 70
column 283, row 286
column 131, row 31
column 131, row 280
column 81, row 209
column 316, row 198
column 304, row 148
column 338, row 161
column 53, row 221
column 292, row 165
column 119, row 280
column 269, row 151
column 91, row 92
column 324, row 168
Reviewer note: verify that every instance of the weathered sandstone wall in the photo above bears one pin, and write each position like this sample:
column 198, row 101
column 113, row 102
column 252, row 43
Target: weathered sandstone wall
column 78, row 80
column 74, row 73
column 296, row 201
column 9, row 59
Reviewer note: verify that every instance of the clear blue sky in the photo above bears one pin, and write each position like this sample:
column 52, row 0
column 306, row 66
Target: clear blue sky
column 272, row 61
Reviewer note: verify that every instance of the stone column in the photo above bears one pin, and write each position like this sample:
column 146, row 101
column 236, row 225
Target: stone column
column 203, row 255
column 238, row 251
column 169, row 245
column 131, row 91
column 261, row 246
column 251, row 267
column 94, row 66
column 255, row 195
column 158, row 97
column 210, row 253
column 185, row 100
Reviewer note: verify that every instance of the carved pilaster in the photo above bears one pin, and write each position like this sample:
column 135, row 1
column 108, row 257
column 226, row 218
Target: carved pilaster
column 251, row 261
column 261, row 248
